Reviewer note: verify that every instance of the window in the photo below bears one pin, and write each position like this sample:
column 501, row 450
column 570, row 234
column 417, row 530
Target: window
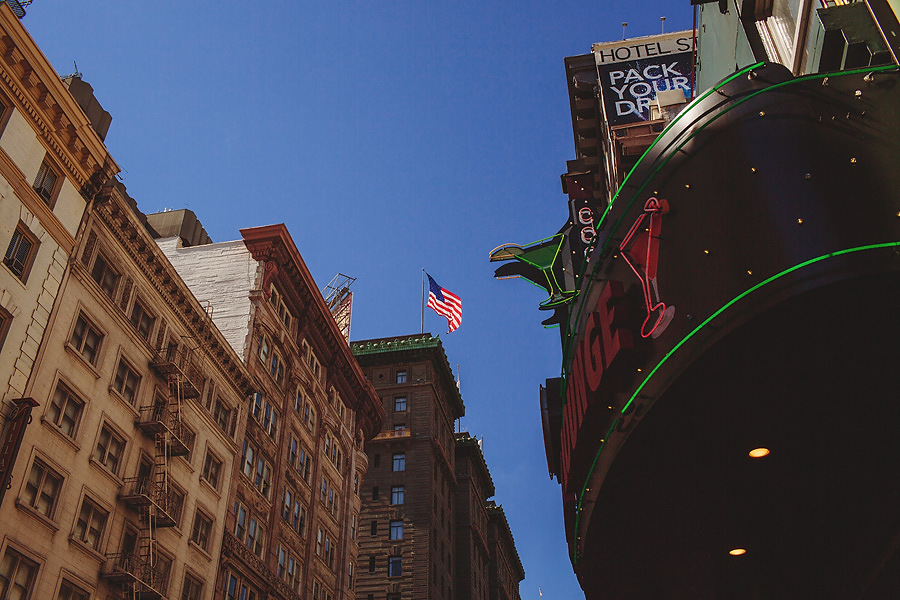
column 373, row 528
column 192, row 588
column 293, row 447
column 398, row 494
column 264, row 349
column 305, row 464
column 141, row 319
column 222, row 413
column 105, row 275
column 270, row 420
column 256, row 536
column 212, row 468
column 70, row 591
column 126, row 381
column 399, row 462
column 280, row 307
column 353, row 527
column 281, row 561
column 174, row 503
column 376, row 460
column 330, row 549
column 45, row 183
column 401, row 376
column 86, row 338
column 371, row 564
column 374, row 492
column 292, row 577
column 237, row 589
column 5, row 321
column 400, row 428
column 397, row 530
column 395, row 566
column 17, row 575
column 110, row 448
column 263, row 479
column 319, row 535
column 65, row 410
column 90, row 524
column 202, row 529
column 276, row 368
column 248, row 459
column 42, row 488
column 350, row 575
column 400, row 404
column 20, row 252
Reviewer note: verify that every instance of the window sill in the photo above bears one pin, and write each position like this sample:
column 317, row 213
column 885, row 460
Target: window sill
column 106, row 472
column 46, row 521
column 78, row 355
column 205, row 482
column 122, row 400
column 59, row 432
column 91, row 552
column 197, row 547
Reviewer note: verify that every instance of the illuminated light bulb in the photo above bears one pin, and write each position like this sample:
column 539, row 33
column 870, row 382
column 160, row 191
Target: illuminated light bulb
column 853, row 160
column 707, row 251
column 753, row 169
column 758, row 452
column 639, row 370
column 749, row 272
column 799, row 221
column 687, row 186
column 737, row 551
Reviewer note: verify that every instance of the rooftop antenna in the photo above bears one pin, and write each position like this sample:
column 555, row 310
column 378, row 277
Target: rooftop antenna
column 76, row 74
column 624, row 25
column 662, row 22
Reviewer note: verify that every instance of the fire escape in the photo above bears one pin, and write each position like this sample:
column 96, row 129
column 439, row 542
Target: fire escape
column 138, row 570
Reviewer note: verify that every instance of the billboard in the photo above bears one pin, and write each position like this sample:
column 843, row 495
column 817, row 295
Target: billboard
column 633, row 71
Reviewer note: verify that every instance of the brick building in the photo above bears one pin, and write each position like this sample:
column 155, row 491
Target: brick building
column 505, row 567
column 424, row 531
column 294, row 507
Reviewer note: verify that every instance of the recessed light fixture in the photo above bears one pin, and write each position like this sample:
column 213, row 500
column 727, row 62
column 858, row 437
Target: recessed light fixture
column 759, row 452
column 737, row 551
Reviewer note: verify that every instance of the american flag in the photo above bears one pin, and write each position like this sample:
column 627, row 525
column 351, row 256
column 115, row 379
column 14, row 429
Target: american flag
column 445, row 303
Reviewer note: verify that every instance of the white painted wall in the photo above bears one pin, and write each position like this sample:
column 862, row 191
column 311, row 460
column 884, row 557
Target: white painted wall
column 222, row 274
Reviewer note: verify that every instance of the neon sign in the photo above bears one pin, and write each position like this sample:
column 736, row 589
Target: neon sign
column 600, row 352
column 640, row 249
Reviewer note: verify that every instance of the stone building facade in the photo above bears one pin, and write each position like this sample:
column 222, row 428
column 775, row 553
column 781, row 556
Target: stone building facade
column 504, row 566
column 425, row 527
column 293, row 516
column 121, row 483
column 52, row 162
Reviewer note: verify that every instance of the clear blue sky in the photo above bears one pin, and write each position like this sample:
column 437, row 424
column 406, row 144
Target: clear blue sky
column 388, row 136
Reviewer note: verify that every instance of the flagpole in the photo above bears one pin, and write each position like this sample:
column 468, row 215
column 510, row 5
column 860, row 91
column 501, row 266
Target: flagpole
column 422, row 331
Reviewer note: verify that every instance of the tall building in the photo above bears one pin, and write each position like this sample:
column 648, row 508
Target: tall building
column 294, row 509
column 505, row 567
column 732, row 308
column 424, row 530
column 473, row 488
column 121, row 482
column 52, row 163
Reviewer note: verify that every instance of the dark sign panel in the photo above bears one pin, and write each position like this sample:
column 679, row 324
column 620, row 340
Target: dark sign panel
column 632, row 72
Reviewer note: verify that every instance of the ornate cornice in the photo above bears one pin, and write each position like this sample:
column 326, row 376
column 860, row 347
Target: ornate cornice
column 114, row 211
column 29, row 80
column 273, row 243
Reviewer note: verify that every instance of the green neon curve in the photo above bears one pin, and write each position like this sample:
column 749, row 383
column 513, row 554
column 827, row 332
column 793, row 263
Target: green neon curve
column 690, row 335
column 567, row 349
